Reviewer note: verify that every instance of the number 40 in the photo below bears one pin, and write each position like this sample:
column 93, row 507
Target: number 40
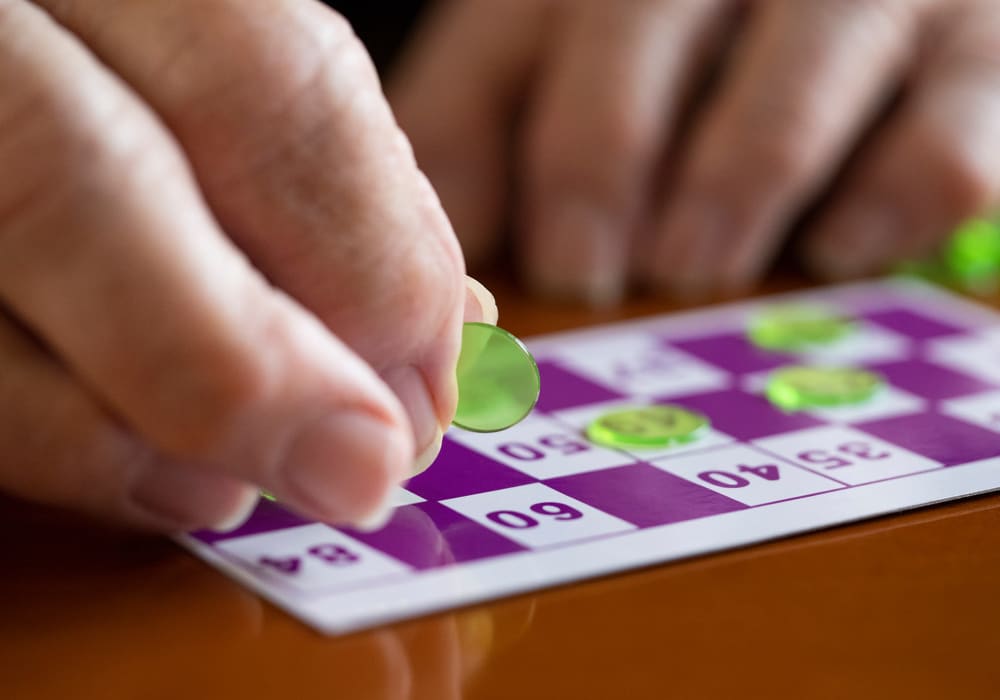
column 729, row 480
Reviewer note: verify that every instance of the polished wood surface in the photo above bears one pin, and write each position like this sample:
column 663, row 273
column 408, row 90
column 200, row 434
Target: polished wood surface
column 901, row 606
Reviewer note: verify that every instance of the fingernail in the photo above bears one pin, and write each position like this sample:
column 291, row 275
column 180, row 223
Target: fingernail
column 860, row 241
column 429, row 454
column 409, row 385
column 340, row 467
column 241, row 512
column 185, row 498
column 578, row 252
column 480, row 305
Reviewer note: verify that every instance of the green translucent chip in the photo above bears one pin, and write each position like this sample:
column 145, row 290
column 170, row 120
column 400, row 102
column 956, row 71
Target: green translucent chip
column 973, row 251
column 792, row 328
column 649, row 426
column 968, row 261
column 797, row 387
column 498, row 380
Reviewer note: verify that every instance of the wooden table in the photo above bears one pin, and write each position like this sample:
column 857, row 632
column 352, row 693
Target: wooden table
column 902, row 606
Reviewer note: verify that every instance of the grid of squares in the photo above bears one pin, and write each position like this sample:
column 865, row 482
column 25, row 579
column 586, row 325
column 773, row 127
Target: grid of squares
column 541, row 484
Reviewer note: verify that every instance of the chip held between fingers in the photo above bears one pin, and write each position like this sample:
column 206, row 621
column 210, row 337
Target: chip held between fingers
column 480, row 306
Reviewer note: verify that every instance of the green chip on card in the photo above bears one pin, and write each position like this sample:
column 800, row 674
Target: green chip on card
column 793, row 328
column 799, row 387
column 648, row 426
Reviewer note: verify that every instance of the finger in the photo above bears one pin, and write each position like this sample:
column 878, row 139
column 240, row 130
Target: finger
column 109, row 255
column 299, row 157
column 931, row 167
column 806, row 81
column 60, row 448
column 607, row 101
column 456, row 94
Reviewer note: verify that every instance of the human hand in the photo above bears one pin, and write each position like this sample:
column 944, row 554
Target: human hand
column 677, row 142
column 220, row 269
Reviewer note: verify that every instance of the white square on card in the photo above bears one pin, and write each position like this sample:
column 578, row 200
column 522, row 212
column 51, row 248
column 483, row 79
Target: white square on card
column 582, row 416
column 402, row 497
column 535, row 515
column 888, row 402
column 976, row 356
column 868, row 343
column 543, row 448
column 311, row 557
column 756, row 383
column 641, row 364
column 747, row 475
column 978, row 409
column 845, row 454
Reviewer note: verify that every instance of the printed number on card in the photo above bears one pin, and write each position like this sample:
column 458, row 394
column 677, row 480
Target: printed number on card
column 332, row 554
column 521, row 521
column 836, row 459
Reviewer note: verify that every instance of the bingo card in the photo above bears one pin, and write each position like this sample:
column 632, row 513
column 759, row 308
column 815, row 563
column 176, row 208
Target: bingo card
column 539, row 505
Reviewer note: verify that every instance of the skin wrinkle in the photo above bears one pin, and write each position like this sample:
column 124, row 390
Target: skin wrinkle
column 269, row 151
column 117, row 205
column 308, row 200
column 311, row 209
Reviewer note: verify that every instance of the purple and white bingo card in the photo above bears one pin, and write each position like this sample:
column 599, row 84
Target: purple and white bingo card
column 539, row 505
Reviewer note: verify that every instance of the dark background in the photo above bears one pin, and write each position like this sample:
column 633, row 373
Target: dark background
column 382, row 26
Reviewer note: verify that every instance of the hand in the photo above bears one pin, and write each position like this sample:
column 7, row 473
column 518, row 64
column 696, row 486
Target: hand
column 220, row 268
column 676, row 142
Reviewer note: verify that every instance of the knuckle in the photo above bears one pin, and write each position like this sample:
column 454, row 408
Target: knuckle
column 597, row 160
column 623, row 134
column 786, row 162
column 280, row 107
column 59, row 154
column 786, row 140
column 338, row 62
column 339, row 45
column 272, row 94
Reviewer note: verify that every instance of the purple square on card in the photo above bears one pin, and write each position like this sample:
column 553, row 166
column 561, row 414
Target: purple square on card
column 745, row 416
column 914, row 325
column 563, row 389
column 942, row 438
column 267, row 517
column 465, row 539
column 733, row 352
column 460, row 471
column 429, row 535
column 644, row 495
column 929, row 380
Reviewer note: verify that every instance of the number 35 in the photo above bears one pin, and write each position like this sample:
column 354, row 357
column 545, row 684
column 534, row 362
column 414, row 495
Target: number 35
column 828, row 460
